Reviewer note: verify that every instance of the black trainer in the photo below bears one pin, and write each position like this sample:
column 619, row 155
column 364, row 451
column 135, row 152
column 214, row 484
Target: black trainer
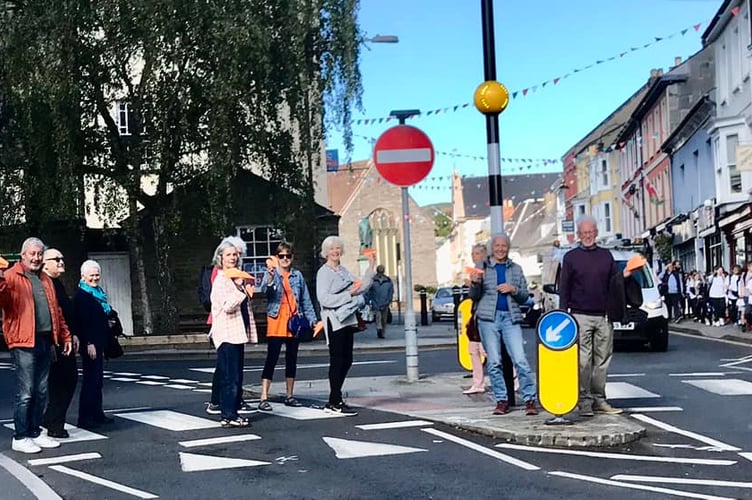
column 341, row 409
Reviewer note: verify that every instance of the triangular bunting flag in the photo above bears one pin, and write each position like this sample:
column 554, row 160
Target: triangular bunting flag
column 514, row 95
column 598, row 62
column 622, row 54
column 697, row 26
column 543, row 84
column 658, row 39
column 556, row 80
column 684, row 31
column 429, row 113
column 524, row 91
column 455, row 108
column 735, row 11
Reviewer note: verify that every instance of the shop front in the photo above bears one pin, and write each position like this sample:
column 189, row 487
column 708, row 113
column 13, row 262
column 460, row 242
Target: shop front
column 736, row 227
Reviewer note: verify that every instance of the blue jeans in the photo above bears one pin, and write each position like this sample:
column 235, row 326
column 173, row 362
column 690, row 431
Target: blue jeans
column 491, row 334
column 230, row 367
column 32, row 366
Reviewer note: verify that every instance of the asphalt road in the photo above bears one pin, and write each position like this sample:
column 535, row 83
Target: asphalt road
column 696, row 395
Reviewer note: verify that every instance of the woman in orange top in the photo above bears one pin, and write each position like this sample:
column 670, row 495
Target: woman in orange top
column 286, row 294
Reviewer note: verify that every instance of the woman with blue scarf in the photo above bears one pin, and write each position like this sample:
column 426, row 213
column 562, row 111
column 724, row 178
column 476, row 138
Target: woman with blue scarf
column 92, row 312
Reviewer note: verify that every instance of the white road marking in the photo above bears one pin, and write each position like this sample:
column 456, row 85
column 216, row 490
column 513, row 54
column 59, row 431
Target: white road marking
column 205, row 384
column 310, row 365
column 178, row 386
column 127, row 374
column 155, row 377
column 625, row 390
column 170, row 420
column 682, row 432
column 191, row 462
column 626, row 375
column 394, row 425
column 183, row 381
column 219, row 440
column 134, row 408
column 345, row 448
column 302, row 412
column 699, row 374
column 64, row 459
column 76, row 434
column 688, row 447
column 648, row 409
column 482, row 449
column 103, row 482
column 149, row 382
column 681, row 480
column 617, row 456
column 723, row 387
column 202, row 390
column 36, row 486
column 746, row 455
column 124, row 379
column 654, row 489
column 699, row 337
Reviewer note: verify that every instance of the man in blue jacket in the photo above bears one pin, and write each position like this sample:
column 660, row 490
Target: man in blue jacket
column 381, row 293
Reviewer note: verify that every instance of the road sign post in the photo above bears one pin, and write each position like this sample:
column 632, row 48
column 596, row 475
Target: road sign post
column 558, row 364
column 404, row 156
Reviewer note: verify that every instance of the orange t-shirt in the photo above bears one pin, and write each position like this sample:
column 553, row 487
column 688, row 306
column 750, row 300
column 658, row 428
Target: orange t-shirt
column 277, row 327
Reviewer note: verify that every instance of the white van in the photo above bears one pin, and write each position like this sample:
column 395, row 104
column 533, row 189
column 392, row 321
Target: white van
column 653, row 331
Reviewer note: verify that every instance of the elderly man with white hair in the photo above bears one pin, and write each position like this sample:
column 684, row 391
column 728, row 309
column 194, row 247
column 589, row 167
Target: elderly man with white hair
column 586, row 291
column 499, row 291
column 32, row 325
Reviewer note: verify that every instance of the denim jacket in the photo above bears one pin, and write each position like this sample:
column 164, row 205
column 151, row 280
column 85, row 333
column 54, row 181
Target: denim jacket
column 275, row 291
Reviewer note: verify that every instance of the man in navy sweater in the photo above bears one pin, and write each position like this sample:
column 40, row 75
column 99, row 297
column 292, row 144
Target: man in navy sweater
column 584, row 291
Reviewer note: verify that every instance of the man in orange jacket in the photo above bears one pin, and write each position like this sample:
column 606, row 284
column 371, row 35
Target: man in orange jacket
column 32, row 323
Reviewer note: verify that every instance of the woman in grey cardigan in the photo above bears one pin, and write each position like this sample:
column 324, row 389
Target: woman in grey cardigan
column 340, row 295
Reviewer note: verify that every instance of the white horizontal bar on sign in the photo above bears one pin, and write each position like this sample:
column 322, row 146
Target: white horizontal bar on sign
column 403, row 155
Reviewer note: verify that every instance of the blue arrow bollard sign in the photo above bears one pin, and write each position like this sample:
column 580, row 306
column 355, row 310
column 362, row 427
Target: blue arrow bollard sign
column 557, row 330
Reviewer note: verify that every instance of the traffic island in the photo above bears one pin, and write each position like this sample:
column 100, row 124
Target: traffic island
column 601, row 431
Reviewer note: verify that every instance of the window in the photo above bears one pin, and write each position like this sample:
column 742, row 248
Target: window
column 607, row 217
column 735, row 177
column 123, row 118
column 262, row 242
column 605, row 178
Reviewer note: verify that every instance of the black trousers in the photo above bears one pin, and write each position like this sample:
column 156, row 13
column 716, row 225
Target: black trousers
column 62, row 384
column 340, row 360
column 273, row 348
column 90, row 400
column 507, row 369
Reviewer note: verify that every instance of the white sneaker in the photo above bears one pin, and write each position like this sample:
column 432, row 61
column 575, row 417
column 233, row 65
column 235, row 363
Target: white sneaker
column 25, row 445
column 44, row 441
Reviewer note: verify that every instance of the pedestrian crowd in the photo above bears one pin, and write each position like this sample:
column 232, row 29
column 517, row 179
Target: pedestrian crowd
column 718, row 299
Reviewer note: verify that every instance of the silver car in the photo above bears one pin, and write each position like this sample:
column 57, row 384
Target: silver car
column 442, row 306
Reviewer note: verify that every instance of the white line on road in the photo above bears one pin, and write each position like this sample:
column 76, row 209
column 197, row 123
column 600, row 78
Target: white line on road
column 127, row 374
column 654, row 489
column 103, row 482
column 183, row 381
column 647, row 409
column 149, row 382
column 699, row 374
column 723, row 387
column 64, row 459
column 134, row 408
column 178, row 386
column 618, row 456
column 626, row 375
column 482, row 449
column 155, row 377
column 219, row 440
column 681, row 480
column 746, row 455
column 170, row 420
column 30, row 480
column 124, row 379
column 625, row 390
column 682, row 432
column 394, row 425
column 723, row 341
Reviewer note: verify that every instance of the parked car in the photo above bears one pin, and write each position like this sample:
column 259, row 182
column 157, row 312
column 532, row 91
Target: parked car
column 652, row 329
column 531, row 311
column 442, row 305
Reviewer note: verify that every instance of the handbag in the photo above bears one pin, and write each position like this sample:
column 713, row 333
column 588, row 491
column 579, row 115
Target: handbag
column 471, row 330
column 298, row 325
column 113, row 350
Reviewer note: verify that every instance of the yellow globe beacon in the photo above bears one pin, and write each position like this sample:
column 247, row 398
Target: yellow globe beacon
column 491, row 97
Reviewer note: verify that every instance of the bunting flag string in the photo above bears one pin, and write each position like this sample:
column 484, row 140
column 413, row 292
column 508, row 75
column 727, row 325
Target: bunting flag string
column 554, row 81
column 454, row 154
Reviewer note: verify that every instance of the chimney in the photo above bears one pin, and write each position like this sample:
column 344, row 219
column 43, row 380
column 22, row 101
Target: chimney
column 653, row 73
column 677, row 61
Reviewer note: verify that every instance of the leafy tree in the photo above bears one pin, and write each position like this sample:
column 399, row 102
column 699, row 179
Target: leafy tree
column 208, row 88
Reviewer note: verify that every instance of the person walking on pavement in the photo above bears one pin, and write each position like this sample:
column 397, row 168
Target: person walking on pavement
column 717, row 294
column 587, row 291
column 206, row 279
column 232, row 327
column 672, row 277
column 32, row 325
column 340, row 295
column 63, row 371
column 734, row 283
column 381, row 294
column 286, row 295
column 475, row 347
column 499, row 291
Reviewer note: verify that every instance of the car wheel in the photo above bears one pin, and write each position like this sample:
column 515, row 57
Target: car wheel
column 659, row 340
column 434, row 317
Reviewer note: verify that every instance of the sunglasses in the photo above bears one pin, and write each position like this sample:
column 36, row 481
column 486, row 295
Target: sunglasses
column 56, row 259
column 284, row 256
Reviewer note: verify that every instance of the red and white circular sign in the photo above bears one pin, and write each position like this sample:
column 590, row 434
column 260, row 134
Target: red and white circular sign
column 403, row 155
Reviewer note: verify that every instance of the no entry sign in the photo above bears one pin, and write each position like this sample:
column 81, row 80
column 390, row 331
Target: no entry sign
column 403, row 155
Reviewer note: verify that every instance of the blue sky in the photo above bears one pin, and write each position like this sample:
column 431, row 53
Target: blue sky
column 438, row 63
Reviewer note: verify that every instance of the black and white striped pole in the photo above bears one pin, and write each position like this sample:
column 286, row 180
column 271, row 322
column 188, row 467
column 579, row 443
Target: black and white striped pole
column 491, row 98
